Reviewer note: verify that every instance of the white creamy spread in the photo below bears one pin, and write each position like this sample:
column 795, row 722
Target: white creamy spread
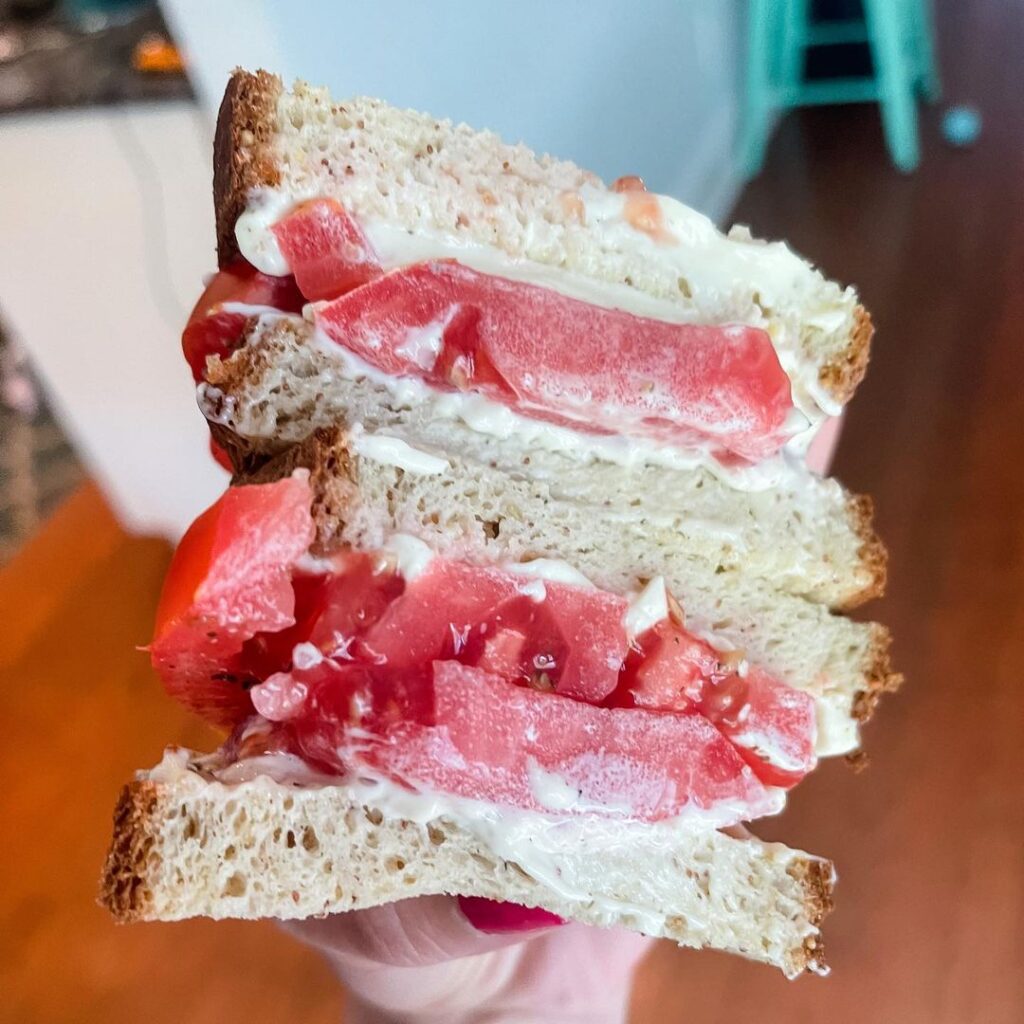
column 559, row 850
column 647, row 608
column 713, row 262
column 253, row 230
column 393, row 451
column 554, row 570
column 249, row 309
column 535, row 591
column 411, row 555
column 422, row 345
column 838, row 730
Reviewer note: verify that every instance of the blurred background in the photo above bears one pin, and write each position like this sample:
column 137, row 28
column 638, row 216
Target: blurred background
column 912, row 192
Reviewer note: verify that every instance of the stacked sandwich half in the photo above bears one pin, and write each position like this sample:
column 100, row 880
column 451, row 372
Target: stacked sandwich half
column 522, row 588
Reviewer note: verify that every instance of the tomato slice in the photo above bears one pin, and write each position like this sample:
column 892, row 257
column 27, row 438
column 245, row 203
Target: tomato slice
column 326, row 249
column 541, row 633
column 516, row 746
column 772, row 725
column 215, row 328
column 353, row 601
column 668, row 668
column 774, row 728
column 562, row 359
column 229, row 580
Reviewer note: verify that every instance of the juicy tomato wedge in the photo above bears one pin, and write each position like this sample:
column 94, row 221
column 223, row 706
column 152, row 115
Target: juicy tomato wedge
column 326, row 249
column 540, row 633
column 229, row 580
column 558, row 358
column 669, row 668
column 352, row 603
column 774, row 728
column 771, row 724
column 474, row 735
column 215, row 326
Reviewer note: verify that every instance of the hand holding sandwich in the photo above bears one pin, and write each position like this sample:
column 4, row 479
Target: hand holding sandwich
column 525, row 587
column 420, row 961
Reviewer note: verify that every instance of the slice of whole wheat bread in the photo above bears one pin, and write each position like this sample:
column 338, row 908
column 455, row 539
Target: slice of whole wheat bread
column 187, row 846
column 422, row 174
column 806, row 534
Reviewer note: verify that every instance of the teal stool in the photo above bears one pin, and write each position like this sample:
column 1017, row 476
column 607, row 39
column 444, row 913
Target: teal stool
column 901, row 35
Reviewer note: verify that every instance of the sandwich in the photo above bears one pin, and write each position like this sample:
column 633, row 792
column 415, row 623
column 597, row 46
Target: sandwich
column 522, row 588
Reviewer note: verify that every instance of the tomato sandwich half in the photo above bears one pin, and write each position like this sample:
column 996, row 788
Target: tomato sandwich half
column 522, row 588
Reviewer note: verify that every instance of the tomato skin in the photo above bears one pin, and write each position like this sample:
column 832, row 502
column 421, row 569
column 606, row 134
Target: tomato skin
column 213, row 330
column 326, row 250
column 189, row 568
column 229, row 579
column 220, row 456
column 568, row 361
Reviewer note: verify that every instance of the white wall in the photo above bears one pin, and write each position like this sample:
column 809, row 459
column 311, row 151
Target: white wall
column 648, row 87
column 106, row 230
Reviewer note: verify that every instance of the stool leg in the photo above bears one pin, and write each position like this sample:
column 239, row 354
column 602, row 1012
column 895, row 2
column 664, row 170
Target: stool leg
column 794, row 15
column 927, row 69
column 895, row 75
column 758, row 86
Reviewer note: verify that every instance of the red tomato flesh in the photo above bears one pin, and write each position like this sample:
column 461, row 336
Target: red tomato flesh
column 463, row 731
column 229, row 580
column 571, row 641
column 562, row 359
column 213, row 329
column 326, row 249
column 771, row 724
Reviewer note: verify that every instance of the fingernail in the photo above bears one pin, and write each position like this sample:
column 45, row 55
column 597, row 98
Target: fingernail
column 496, row 918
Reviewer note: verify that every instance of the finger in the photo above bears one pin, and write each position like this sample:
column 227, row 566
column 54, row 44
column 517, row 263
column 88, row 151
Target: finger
column 575, row 974
column 568, row 974
column 410, row 933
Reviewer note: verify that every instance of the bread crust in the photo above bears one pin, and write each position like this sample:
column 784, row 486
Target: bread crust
column 842, row 376
column 818, row 880
column 881, row 678
column 126, row 887
column 243, row 158
column 872, row 553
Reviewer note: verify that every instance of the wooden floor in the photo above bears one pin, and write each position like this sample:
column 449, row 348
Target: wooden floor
column 929, row 842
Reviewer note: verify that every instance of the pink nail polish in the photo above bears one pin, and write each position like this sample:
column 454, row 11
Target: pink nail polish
column 495, row 917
